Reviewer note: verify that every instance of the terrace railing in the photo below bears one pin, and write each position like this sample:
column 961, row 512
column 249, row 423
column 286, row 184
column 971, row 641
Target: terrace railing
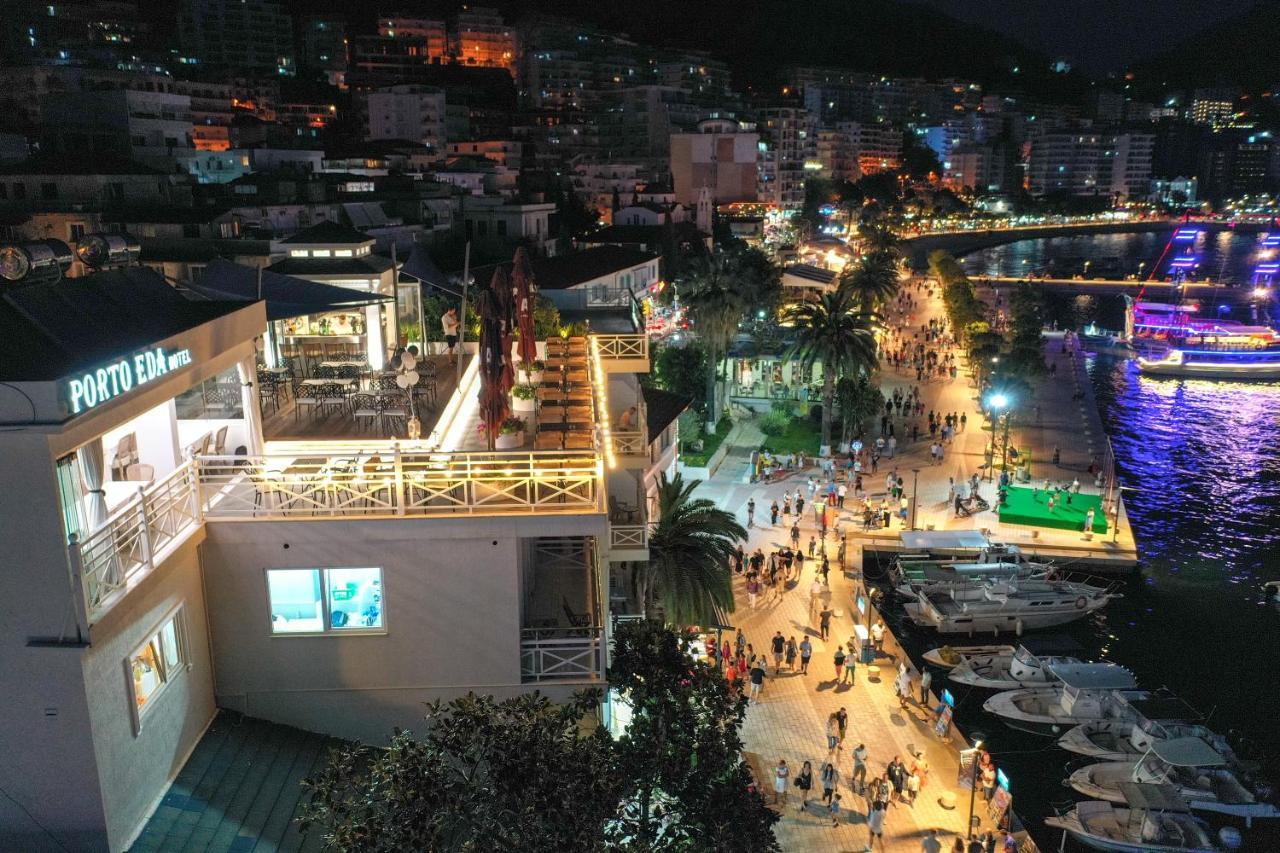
column 566, row 653
column 133, row 538
column 623, row 346
column 628, row 536
column 386, row 481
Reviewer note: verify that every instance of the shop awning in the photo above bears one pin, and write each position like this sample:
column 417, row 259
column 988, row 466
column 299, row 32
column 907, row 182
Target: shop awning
column 286, row 296
column 420, row 266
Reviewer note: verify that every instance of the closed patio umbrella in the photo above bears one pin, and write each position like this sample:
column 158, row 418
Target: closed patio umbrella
column 525, row 291
column 493, row 361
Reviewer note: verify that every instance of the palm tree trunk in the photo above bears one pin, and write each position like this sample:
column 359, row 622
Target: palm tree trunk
column 712, row 412
column 828, row 400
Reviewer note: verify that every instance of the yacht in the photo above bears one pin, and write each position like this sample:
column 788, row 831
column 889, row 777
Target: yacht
column 1191, row 765
column 1124, row 740
column 1009, row 670
column 1087, row 692
column 1012, row 605
column 1171, row 340
column 912, row 574
column 1155, row 819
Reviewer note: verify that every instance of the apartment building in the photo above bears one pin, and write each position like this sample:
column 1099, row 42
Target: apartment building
column 723, row 155
column 481, row 38
column 151, row 127
column 1090, row 162
column 787, row 140
column 412, row 112
column 245, row 35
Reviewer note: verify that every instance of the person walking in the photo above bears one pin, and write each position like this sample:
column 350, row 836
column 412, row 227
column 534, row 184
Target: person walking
column 875, row 827
column 858, row 781
column 751, row 512
column 786, row 505
column 913, row 787
column 877, row 635
column 830, row 778
column 824, row 622
column 773, row 514
column 839, row 660
column 834, row 810
column 897, row 773
column 815, row 596
column 806, row 652
column 779, row 644
column 804, row 781
column 791, row 654
column 1088, row 520
column 826, row 568
column 757, row 677
column 926, row 680
column 931, row 844
column 795, row 535
column 780, row 775
column 842, row 725
column 833, row 732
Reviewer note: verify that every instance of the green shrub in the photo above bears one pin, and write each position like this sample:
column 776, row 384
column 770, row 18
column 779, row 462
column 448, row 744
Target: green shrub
column 775, row 423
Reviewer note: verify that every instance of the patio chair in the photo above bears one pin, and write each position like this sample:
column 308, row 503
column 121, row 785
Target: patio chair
column 364, row 410
column 140, row 472
column 333, row 397
column 575, row 619
column 306, row 397
column 126, row 454
column 393, row 408
column 220, row 442
column 618, row 511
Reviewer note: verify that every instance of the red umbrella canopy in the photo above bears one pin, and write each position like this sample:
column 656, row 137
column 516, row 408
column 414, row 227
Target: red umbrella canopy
column 506, row 304
column 525, row 290
column 494, row 358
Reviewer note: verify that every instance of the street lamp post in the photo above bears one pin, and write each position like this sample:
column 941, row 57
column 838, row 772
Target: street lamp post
column 915, row 495
column 996, row 403
column 973, row 780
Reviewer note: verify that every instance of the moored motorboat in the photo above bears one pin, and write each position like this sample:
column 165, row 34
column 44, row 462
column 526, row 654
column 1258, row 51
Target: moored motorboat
column 1086, row 692
column 1155, row 819
column 1122, row 740
column 1191, row 765
column 1008, row 671
column 952, row 656
column 1009, row 606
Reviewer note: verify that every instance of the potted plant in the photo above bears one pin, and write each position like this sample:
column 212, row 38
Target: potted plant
column 531, row 372
column 510, row 434
column 524, row 398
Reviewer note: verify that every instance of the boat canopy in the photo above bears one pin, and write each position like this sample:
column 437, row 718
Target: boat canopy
column 922, row 540
column 1187, row 752
column 1094, row 676
column 1148, row 796
column 1165, row 708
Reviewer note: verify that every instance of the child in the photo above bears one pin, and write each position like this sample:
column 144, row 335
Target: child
column 835, row 810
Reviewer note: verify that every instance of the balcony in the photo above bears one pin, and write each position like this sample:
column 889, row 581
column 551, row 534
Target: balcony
column 135, row 538
column 621, row 353
column 350, row 479
column 571, row 654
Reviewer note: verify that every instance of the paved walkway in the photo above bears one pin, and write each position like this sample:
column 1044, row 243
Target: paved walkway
column 789, row 719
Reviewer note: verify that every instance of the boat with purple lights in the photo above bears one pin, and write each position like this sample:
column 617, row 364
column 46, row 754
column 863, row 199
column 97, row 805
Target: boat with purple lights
column 1171, row 340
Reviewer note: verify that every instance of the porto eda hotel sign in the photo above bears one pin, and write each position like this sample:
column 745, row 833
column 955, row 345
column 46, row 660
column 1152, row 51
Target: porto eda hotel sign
column 106, row 383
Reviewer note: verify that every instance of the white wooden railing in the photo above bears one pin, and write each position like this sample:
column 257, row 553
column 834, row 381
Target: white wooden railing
column 628, row 536
column 623, row 346
column 550, row 655
column 629, row 443
column 108, row 559
column 385, row 480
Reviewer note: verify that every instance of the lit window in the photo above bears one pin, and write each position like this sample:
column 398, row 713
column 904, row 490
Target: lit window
column 153, row 666
column 342, row 253
column 320, row 253
column 320, row 601
column 297, row 253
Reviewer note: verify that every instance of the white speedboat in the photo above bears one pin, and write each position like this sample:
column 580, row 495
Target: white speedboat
column 1010, row 606
column 952, row 656
column 1156, row 820
column 911, row 577
column 1087, row 692
column 1190, row 765
column 1009, row 671
column 1124, row 740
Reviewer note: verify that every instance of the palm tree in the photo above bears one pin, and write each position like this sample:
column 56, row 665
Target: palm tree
column 879, row 238
column 871, row 282
column 716, row 307
column 832, row 331
column 689, row 552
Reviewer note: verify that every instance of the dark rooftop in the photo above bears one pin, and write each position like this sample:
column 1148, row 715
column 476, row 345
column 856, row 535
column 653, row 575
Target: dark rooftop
column 61, row 164
column 367, row 265
column 56, row 330
column 642, row 235
column 329, row 232
column 239, row 791
column 565, row 271
column 661, row 408
column 199, row 249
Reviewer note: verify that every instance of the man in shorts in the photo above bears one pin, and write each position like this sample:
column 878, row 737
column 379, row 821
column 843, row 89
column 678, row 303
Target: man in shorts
column 449, row 323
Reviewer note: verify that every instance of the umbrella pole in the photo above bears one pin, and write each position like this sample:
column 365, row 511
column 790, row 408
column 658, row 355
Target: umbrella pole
column 462, row 314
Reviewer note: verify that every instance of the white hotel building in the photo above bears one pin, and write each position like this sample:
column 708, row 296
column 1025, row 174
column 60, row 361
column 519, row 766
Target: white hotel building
column 170, row 549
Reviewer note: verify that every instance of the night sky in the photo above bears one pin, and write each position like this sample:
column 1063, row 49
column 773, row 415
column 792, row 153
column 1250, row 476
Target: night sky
column 1096, row 35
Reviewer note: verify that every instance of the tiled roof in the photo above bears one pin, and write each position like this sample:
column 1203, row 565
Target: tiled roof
column 239, row 791
column 565, row 271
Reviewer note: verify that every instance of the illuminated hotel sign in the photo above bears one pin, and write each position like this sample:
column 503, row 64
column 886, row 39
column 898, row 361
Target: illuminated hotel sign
column 106, row 383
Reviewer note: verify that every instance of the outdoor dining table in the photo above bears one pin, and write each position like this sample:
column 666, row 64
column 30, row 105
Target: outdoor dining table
column 344, row 383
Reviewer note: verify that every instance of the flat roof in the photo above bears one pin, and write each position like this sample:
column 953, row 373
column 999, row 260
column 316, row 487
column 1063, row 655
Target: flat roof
column 55, row 330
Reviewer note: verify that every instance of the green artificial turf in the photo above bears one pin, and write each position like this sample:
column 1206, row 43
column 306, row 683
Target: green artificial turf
column 1031, row 506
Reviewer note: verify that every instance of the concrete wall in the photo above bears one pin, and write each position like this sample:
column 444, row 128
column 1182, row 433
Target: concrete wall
column 49, row 771
column 135, row 766
column 452, row 596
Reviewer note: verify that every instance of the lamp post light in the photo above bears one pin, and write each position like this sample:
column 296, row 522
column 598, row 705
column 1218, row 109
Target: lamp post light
column 915, row 495
column 973, row 778
column 996, row 403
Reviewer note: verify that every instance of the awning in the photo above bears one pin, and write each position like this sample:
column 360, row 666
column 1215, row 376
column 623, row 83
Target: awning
column 420, row 266
column 285, row 295
column 1187, row 752
column 1094, row 676
column 1151, row 797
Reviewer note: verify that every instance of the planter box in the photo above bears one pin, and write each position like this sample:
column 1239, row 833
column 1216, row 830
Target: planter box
column 519, row 404
column 695, row 473
column 531, row 378
column 509, row 441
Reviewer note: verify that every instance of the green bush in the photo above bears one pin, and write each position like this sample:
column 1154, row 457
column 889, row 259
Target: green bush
column 775, row 423
column 710, row 443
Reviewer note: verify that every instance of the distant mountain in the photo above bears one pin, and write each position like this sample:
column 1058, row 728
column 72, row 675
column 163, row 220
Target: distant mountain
column 1240, row 51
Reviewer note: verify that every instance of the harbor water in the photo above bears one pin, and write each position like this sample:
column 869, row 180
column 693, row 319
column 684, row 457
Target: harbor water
column 1200, row 462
